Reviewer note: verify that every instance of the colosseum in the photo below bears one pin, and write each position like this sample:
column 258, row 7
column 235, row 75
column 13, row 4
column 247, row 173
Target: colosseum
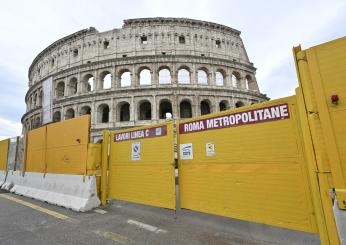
column 150, row 70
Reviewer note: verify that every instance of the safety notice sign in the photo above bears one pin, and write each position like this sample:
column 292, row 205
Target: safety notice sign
column 210, row 149
column 186, row 151
column 136, row 151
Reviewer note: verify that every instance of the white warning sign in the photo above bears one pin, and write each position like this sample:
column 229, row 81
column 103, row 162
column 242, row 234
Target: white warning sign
column 210, row 149
column 136, row 151
column 186, row 151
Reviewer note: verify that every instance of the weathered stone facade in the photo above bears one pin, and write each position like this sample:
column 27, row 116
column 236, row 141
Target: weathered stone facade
column 149, row 69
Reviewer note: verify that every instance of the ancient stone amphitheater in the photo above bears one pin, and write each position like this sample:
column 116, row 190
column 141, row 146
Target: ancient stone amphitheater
column 150, row 70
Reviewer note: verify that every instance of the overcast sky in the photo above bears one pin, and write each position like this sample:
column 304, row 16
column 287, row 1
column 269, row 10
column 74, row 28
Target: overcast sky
column 269, row 30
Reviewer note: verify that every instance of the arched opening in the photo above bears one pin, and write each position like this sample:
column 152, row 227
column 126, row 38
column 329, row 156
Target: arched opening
column 183, row 76
column 72, row 86
column 125, row 79
column 37, row 122
column 202, row 77
column 34, row 100
column 250, row 83
column 205, row 107
column 124, row 112
column 39, row 98
column 181, row 39
column 103, row 113
column 106, row 80
column 235, row 80
column 164, row 76
column 145, row 111
column 57, row 116
column 185, row 109
column 60, row 89
column 88, row 83
column 224, row 105
column 219, row 78
column 85, row 110
column 165, row 109
column 69, row 114
column 145, row 77
column 239, row 104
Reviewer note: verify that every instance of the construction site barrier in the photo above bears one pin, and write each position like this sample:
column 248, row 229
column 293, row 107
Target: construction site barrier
column 141, row 165
column 61, row 167
column 3, row 160
column 281, row 162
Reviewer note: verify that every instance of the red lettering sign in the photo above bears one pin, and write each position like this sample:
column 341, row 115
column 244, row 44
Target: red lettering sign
column 265, row 114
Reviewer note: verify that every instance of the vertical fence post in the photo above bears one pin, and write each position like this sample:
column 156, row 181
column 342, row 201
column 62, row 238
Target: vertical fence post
column 104, row 167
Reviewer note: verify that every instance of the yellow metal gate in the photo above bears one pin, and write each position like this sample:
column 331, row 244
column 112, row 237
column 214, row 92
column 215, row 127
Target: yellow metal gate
column 247, row 164
column 322, row 78
column 141, row 165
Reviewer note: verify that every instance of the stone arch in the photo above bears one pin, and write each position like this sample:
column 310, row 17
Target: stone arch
column 164, row 75
column 103, row 113
column 125, row 78
column 88, row 83
column 57, row 116
column 144, row 110
column 239, row 104
column 123, row 111
column 144, row 76
column 220, row 76
column 202, row 76
column 59, row 90
column 250, row 83
column 105, row 80
column 223, row 105
column 205, row 107
column 69, row 113
column 184, row 75
column 72, row 86
column 37, row 122
column 85, row 110
column 165, row 107
column 185, row 108
column 236, row 79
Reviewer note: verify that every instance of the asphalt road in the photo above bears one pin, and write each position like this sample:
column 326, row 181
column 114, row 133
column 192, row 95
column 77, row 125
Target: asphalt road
column 25, row 221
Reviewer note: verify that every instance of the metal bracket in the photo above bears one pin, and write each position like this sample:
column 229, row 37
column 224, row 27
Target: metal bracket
column 341, row 197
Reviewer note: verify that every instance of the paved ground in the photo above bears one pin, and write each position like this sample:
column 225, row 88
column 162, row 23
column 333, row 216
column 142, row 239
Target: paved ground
column 26, row 221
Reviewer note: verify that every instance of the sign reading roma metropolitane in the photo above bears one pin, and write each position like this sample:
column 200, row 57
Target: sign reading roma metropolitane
column 264, row 114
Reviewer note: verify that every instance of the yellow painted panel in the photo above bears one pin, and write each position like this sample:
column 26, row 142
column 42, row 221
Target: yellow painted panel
column 67, row 160
column 67, row 146
column 327, row 64
column 257, row 172
column 261, row 192
column 147, row 184
column 36, row 143
column 72, row 132
column 3, row 154
column 94, row 157
column 150, row 178
column 157, row 150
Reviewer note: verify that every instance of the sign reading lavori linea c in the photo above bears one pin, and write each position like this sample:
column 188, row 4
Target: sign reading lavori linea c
column 141, row 133
column 264, row 114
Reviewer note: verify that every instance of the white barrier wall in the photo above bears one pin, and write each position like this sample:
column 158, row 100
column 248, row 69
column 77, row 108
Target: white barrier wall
column 70, row 191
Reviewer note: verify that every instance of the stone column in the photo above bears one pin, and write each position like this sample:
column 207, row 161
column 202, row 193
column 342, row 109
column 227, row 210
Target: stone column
column 174, row 76
column 193, row 75
column 154, row 109
column 93, row 113
column 133, row 110
column 114, row 78
column 80, row 84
